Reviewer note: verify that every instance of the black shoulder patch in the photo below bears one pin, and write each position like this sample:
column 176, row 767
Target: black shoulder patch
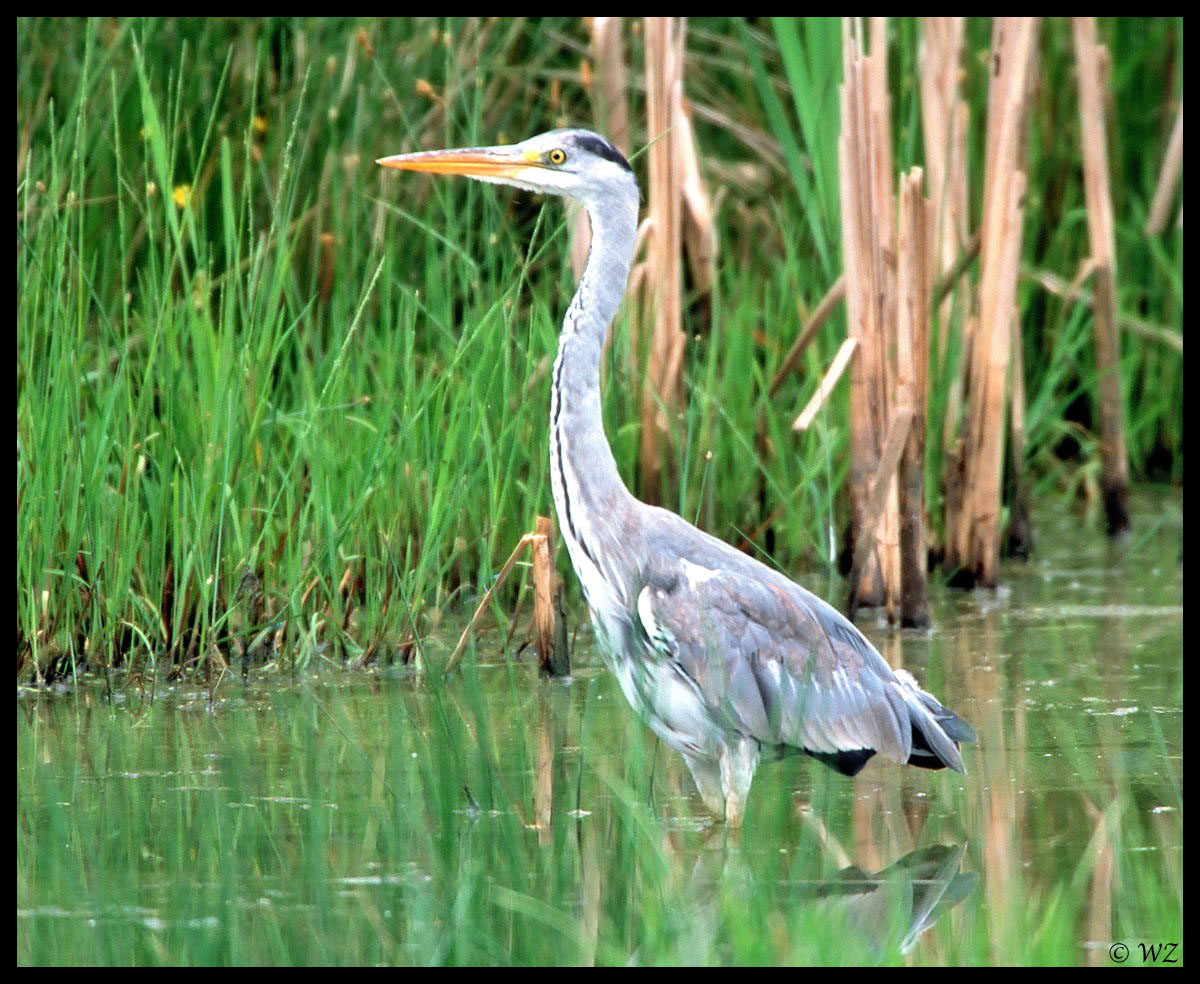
column 602, row 148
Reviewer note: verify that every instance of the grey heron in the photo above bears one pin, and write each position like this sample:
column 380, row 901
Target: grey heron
column 725, row 658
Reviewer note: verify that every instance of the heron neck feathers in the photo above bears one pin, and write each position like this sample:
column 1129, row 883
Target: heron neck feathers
column 592, row 501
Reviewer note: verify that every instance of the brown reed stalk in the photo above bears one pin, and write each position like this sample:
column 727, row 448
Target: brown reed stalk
column 944, row 119
column 914, row 277
column 548, row 622
column 820, row 315
column 698, row 229
column 828, row 382
column 1018, row 536
column 1168, row 180
column 662, row 392
column 837, row 293
column 581, row 236
column 679, row 214
column 550, row 628
column 1073, row 293
column 1091, row 59
column 973, row 509
column 881, row 496
column 867, row 207
column 606, row 79
column 459, row 649
column 610, row 80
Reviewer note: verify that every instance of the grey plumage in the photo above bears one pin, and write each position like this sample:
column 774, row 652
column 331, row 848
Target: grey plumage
column 724, row 657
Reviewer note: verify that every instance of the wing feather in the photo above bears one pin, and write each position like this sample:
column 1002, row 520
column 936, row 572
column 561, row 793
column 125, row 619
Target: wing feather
column 775, row 662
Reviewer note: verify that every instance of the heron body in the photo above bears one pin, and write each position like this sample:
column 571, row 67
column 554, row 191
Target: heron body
column 725, row 658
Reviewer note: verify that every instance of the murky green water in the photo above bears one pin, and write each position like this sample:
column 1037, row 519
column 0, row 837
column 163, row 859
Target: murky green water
column 499, row 818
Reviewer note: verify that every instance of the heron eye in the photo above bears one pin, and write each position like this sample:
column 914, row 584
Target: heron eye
column 556, row 156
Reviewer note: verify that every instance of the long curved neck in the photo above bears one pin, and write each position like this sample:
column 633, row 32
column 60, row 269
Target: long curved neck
column 592, row 502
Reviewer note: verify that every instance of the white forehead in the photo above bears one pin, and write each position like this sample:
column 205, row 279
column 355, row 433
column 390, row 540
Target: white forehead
column 544, row 142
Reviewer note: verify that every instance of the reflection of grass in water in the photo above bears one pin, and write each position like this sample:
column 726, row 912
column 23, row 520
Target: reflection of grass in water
column 385, row 819
column 332, row 825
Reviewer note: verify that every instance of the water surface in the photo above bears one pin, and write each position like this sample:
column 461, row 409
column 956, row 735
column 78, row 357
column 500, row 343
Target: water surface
column 354, row 817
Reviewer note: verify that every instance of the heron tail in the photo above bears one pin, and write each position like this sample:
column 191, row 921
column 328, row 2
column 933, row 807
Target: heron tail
column 937, row 731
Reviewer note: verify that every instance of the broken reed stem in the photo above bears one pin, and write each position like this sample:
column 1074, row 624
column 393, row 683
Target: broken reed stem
column 698, row 230
column 610, row 90
column 662, row 392
column 914, row 279
column 882, row 489
column 607, row 82
column 864, row 147
column 1091, row 59
column 824, row 309
column 837, row 292
column 487, row 597
column 944, row 120
column 973, row 510
column 1018, row 537
column 1073, row 293
column 948, row 279
column 550, row 627
column 826, row 386
column 679, row 214
column 1168, row 179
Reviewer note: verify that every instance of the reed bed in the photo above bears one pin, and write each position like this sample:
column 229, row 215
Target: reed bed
column 973, row 520
column 272, row 408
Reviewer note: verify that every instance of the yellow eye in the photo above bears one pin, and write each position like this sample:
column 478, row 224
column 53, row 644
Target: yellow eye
column 556, row 156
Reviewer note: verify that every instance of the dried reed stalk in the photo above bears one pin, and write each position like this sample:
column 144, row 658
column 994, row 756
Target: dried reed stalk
column 1074, row 293
column 679, row 213
column 1092, row 60
column 825, row 388
column 1018, row 537
column 914, row 277
column 581, row 236
column 944, row 119
column 522, row 544
column 881, row 496
column 662, row 392
column 819, row 316
column 837, row 293
column 549, row 624
column 550, row 627
column 699, row 231
column 1168, row 179
column 973, row 510
column 867, row 228
column 607, row 82
column 610, row 93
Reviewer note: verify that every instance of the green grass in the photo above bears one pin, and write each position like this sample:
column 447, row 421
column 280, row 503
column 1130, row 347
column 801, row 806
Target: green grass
column 297, row 412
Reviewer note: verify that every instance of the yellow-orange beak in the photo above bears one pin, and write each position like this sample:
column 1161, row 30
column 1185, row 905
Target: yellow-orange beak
column 481, row 162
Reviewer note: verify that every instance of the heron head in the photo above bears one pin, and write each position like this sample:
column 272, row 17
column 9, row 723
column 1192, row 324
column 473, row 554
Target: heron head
column 572, row 163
